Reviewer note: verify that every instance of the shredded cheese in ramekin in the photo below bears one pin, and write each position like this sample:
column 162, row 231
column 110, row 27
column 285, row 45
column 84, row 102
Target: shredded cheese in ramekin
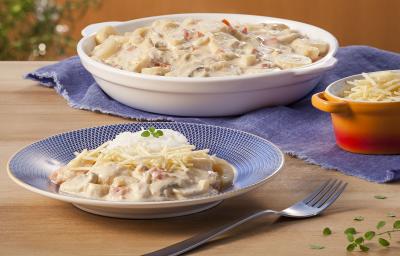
column 383, row 86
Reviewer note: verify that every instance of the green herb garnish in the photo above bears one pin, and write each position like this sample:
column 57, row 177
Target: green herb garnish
column 364, row 248
column 158, row 133
column 383, row 242
column 152, row 131
column 350, row 231
column 359, row 242
column 369, row 235
column 358, row 218
column 351, row 247
column 350, row 237
column 391, row 214
column 380, row 224
column 316, row 246
column 380, row 197
column 327, row 231
column 396, row 224
column 145, row 134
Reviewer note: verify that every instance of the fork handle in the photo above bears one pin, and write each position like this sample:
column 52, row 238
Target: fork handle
column 197, row 240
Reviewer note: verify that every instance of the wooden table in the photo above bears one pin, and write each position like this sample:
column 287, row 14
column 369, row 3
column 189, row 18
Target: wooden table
column 35, row 225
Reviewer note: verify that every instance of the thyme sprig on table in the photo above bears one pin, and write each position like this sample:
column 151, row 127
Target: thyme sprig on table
column 359, row 241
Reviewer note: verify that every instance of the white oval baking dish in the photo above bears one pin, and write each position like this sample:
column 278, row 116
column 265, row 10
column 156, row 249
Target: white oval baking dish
column 206, row 96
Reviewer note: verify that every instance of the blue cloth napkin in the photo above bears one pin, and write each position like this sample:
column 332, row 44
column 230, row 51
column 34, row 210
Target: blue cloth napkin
column 298, row 129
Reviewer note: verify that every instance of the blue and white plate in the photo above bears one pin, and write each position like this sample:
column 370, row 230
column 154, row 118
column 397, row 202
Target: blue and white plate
column 255, row 159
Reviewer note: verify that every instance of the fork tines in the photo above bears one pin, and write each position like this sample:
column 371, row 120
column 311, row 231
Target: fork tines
column 326, row 194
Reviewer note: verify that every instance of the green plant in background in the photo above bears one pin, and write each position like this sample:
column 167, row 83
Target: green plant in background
column 38, row 29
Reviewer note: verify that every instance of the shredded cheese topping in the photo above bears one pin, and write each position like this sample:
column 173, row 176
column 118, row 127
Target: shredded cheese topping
column 383, row 86
column 170, row 159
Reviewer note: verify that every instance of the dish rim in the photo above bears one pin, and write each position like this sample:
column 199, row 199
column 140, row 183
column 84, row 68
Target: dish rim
column 135, row 204
column 293, row 71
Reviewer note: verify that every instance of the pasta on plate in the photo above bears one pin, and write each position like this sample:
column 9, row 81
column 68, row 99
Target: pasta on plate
column 203, row 48
column 148, row 165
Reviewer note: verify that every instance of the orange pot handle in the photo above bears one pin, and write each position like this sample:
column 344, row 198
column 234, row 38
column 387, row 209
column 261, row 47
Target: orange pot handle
column 319, row 101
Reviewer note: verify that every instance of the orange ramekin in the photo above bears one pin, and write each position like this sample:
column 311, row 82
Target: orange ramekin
column 361, row 127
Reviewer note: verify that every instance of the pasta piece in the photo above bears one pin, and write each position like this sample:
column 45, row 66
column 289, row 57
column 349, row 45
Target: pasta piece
column 286, row 61
column 322, row 47
column 139, row 64
column 155, row 71
column 140, row 32
column 276, row 26
column 288, row 38
column 248, row 60
column 175, row 39
column 306, row 50
column 163, row 25
column 201, row 41
column 204, row 185
column 223, row 42
column 78, row 183
column 106, row 49
column 96, row 190
column 104, row 33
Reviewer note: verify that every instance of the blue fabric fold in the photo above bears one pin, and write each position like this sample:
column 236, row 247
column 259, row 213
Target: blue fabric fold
column 298, row 129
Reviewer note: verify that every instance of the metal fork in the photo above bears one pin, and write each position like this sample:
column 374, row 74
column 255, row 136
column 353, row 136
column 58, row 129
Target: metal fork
column 312, row 205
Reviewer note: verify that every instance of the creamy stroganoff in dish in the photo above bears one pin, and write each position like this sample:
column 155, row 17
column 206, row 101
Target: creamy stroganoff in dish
column 148, row 165
column 203, row 48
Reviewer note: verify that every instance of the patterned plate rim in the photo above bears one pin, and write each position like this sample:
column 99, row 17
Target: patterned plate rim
column 172, row 203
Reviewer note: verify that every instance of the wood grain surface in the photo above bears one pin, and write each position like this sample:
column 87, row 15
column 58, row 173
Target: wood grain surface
column 367, row 22
column 35, row 225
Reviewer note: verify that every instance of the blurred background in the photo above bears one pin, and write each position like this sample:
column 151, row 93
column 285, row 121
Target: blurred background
column 49, row 29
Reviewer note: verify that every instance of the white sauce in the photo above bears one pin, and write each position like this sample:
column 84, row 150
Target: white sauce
column 202, row 48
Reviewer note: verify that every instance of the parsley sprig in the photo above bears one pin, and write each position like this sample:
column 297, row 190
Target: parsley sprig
column 370, row 235
column 152, row 131
column 357, row 240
